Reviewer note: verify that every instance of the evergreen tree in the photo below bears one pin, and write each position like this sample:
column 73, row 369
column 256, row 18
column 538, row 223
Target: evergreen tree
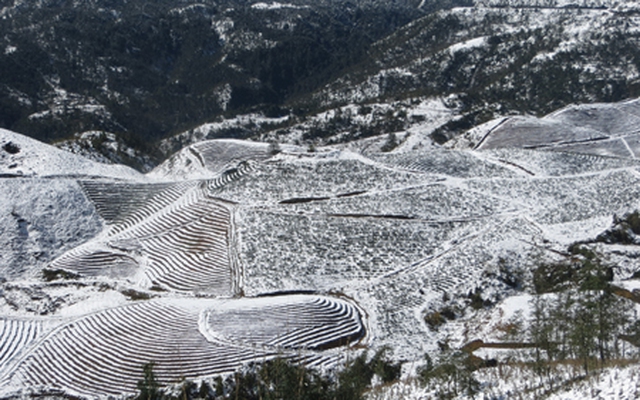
column 148, row 386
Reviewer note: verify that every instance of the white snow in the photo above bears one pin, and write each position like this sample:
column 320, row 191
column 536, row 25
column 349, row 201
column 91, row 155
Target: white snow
column 395, row 233
column 274, row 5
column 37, row 159
column 630, row 285
column 468, row 44
column 617, row 383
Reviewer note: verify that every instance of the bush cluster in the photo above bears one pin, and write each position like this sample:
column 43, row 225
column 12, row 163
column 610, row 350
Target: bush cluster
column 279, row 379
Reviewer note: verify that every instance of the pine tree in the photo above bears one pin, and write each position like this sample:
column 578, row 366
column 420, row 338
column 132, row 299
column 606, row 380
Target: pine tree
column 148, row 386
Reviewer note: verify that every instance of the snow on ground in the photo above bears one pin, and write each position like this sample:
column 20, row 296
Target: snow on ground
column 214, row 129
column 23, row 156
column 469, row 44
column 396, row 235
column 511, row 382
column 274, row 5
column 618, row 383
column 630, row 285
column 40, row 219
column 567, row 233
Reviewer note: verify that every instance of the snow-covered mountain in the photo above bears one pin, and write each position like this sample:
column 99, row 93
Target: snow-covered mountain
column 234, row 251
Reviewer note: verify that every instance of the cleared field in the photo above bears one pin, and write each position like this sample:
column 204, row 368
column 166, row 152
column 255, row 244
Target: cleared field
column 438, row 202
column 551, row 163
column 103, row 354
column 325, row 176
column 291, row 251
column 571, row 198
column 449, row 163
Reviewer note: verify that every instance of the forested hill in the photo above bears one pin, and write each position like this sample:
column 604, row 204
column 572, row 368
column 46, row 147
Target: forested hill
column 136, row 72
column 148, row 69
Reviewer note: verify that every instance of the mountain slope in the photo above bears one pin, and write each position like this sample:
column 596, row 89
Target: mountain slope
column 211, row 258
column 144, row 70
column 167, row 69
column 502, row 58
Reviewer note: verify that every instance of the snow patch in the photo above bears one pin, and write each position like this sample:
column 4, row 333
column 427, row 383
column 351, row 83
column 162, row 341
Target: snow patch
column 33, row 158
column 275, row 6
column 467, row 45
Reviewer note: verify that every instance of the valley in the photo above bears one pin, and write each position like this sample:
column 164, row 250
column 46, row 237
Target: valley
column 205, row 187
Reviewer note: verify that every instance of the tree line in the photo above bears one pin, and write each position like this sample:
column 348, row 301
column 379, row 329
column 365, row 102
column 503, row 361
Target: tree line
column 279, row 379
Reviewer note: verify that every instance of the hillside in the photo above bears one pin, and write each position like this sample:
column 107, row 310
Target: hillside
column 145, row 70
column 234, row 251
column 132, row 81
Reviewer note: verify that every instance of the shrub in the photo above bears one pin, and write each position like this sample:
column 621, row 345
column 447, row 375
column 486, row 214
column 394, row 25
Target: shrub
column 356, row 377
column 55, row 274
column 274, row 148
column 623, row 230
column 390, row 144
column 135, row 295
column 451, row 376
column 553, row 277
column 11, row 148
column 434, row 320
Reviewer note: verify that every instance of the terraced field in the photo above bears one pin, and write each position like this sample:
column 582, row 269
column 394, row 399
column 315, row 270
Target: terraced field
column 15, row 337
column 177, row 236
column 294, row 322
column 102, row 354
column 207, row 159
column 211, row 249
column 599, row 129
